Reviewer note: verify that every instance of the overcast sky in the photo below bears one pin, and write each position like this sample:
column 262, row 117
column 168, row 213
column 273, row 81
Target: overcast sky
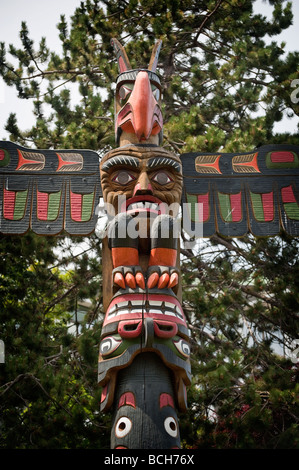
column 42, row 17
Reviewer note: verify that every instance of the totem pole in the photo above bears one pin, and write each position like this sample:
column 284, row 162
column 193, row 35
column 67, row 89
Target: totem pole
column 144, row 352
column 144, row 360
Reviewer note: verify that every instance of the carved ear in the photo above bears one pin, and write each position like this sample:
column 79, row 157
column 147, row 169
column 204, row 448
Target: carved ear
column 121, row 55
column 155, row 56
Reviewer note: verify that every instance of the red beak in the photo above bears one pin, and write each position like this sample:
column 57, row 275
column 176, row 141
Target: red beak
column 141, row 115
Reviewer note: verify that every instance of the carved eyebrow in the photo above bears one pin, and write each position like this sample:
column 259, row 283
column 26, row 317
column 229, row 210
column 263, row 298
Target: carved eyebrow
column 130, row 76
column 121, row 160
column 163, row 161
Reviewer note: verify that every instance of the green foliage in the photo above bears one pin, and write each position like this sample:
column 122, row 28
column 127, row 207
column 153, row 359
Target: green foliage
column 224, row 88
column 241, row 298
column 48, row 383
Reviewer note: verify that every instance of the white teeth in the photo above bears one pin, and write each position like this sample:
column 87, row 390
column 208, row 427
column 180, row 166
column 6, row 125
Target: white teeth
column 123, row 308
column 156, row 302
column 112, row 312
column 137, row 306
column 143, row 205
column 123, row 304
column 179, row 311
column 170, row 313
column 116, row 307
column 169, row 305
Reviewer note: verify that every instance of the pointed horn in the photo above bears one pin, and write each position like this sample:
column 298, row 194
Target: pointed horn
column 155, row 56
column 121, row 55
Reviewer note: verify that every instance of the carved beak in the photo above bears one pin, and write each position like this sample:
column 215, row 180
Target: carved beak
column 141, row 115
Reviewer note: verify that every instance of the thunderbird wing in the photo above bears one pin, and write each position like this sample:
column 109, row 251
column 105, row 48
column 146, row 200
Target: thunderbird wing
column 235, row 193
column 48, row 191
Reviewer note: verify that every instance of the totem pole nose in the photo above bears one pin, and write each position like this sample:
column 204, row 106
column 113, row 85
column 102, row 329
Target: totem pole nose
column 143, row 104
column 143, row 185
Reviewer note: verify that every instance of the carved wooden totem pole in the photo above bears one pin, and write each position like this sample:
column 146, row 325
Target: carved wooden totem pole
column 144, row 353
column 144, row 361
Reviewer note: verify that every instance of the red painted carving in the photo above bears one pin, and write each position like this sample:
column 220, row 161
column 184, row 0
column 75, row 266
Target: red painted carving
column 166, row 400
column 236, row 213
column 30, row 161
column 141, row 115
column 9, row 204
column 127, row 399
column 287, row 194
column 268, row 206
column 42, row 205
column 76, row 206
column 203, row 207
column 282, row 157
column 69, row 162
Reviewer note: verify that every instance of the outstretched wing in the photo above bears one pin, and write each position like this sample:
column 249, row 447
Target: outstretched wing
column 48, row 191
column 235, row 193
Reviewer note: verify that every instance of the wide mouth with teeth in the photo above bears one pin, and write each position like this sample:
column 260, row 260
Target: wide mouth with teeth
column 143, row 203
column 136, row 306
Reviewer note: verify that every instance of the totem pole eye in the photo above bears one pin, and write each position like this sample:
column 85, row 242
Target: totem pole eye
column 124, row 93
column 183, row 347
column 108, row 345
column 123, row 426
column 123, row 177
column 171, row 426
column 156, row 92
column 162, row 178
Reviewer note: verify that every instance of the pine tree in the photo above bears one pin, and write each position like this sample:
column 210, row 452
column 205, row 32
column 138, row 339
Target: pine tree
column 240, row 296
column 49, row 394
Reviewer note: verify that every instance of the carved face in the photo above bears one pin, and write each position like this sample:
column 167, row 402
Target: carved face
column 134, row 426
column 138, row 116
column 145, row 179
